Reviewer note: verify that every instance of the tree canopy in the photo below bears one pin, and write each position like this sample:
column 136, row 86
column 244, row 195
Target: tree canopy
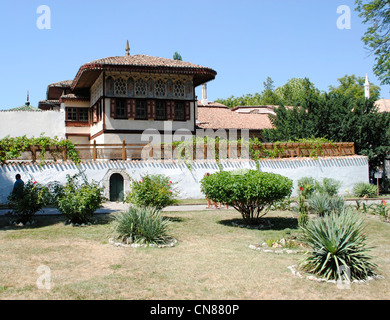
column 376, row 13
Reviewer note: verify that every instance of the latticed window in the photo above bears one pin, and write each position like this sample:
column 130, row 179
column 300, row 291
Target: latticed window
column 161, row 113
column 180, row 114
column 140, row 88
column 71, row 114
column 140, row 109
column 120, row 110
column 160, row 88
column 83, row 114
column 179, row 89
column 120, row 87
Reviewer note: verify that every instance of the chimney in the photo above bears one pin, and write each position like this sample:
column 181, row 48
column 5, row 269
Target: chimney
column 204, row 95
column 367, row 88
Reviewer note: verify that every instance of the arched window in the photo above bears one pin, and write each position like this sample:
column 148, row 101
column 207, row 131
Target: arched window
column 110, row 86
column 140, row 88
column 178, row 89
column 159, row 88
column 120, row 87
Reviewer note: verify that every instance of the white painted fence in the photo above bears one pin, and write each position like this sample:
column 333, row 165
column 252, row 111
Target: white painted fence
column 348, row 170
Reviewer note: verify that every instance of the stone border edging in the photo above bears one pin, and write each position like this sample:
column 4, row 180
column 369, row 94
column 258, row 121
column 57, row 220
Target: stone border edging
column 137, row 245
column 267, row 249
column 296, row 273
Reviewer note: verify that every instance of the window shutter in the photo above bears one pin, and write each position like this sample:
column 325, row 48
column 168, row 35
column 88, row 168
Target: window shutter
column 187, row 110
column 133, row 107
column 112, row 108
column 95, row 119
column 153, row 109
column 128, row 108
column 148, row 109
column 170, row 110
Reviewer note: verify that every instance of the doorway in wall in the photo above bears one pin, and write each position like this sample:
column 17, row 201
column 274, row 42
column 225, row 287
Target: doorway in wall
column 116, row 187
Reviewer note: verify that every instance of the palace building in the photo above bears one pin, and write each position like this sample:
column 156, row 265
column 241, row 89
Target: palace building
column 117, row 98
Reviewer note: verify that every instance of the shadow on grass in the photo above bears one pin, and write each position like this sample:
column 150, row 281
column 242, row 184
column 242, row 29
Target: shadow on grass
column 41, row 221
column 266, row 223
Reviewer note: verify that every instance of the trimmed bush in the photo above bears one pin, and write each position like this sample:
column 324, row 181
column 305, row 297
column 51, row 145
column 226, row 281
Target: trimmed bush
column 250, row 192
column 142, row 225
column 79, row 201
column 152, row 191
column 363, row 189
column 28, row 200
column 338, row 247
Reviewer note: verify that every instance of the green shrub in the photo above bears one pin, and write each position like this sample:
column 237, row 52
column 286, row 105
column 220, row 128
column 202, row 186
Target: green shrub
column 322, row 204
column 152, row 191
column 141, row 225
column 303, row 216
column 337, row 240
column 307, row 185
column 363, row 189
column 328, row 186
column 79, row 201
column 29, row 200
column 250, row 192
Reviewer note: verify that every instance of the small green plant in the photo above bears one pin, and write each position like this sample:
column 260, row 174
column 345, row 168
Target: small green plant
column 152, row 191
column 322, row 204
column 363, row 189
column 29, row 200
column 303, row 216
column 328, row 186
column 307, row 186
column 382, row 210
column 79, row 201
column 337, row 243
column 250, row 192
column 142, row 225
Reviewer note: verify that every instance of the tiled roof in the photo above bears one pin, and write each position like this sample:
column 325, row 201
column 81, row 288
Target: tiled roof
column 89, row 72
column 383, row 105
column 62, row 84
column 224, row 118
column 26, row 107
column 72, row 96
column 211, row 104
column 144, row 60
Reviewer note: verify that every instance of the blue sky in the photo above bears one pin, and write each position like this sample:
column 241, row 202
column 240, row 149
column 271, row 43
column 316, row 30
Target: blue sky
column 244, row 41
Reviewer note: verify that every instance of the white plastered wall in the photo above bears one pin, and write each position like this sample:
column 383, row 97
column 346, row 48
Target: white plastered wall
column 348, row 170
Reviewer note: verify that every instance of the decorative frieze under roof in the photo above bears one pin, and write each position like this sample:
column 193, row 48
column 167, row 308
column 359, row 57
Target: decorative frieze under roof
column 89, row 72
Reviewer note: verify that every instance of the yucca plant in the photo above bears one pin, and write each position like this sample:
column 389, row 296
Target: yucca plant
column 322, row 204
column 143, row 225
column 337, row 242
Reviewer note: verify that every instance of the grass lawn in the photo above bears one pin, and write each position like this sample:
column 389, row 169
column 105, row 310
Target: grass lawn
column 211, row 261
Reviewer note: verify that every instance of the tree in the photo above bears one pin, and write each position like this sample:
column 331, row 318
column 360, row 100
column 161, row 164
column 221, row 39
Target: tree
column 337, row 117
column 177, row 56
column 354, row 86
column 268, row 96
column 376, row 13
column 293, row 92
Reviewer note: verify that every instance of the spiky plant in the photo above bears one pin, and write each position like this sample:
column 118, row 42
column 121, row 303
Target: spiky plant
column 337, row 243
column 141, row 225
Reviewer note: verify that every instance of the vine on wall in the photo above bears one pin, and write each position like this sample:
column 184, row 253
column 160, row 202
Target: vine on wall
column 13, row 147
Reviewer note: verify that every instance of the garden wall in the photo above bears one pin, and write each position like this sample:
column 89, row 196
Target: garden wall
column 32, row 123
column 348, row 170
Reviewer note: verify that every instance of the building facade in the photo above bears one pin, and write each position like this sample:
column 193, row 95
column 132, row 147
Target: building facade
column 118, row 98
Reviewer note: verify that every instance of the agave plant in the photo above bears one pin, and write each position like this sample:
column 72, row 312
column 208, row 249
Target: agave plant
column 141, row 225
column 337, row 243
column 322, row 204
